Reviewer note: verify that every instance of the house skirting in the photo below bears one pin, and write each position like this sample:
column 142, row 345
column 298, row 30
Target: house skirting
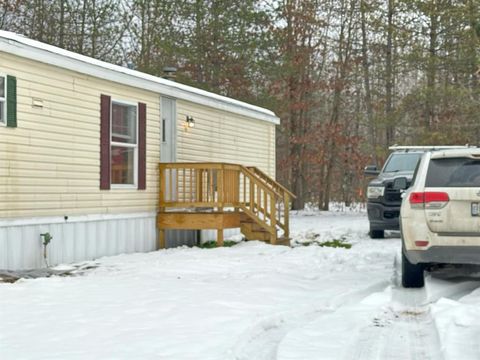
column 76, row 238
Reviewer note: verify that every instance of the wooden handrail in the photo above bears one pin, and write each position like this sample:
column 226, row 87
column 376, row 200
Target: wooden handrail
column 224, row 185
column 268, row 179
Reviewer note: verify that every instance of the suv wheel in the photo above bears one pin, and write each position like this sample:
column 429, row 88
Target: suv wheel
column 377, row 234
column 412, row 274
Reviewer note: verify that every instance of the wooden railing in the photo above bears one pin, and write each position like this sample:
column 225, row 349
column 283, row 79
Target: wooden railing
column 275, row 185
column 283, row 194
column 223, row 187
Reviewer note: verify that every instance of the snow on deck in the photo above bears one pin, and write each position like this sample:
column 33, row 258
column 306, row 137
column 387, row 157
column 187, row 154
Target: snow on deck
column 251, row 301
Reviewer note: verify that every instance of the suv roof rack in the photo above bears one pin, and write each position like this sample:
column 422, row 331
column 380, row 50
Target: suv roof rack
column 430, row 147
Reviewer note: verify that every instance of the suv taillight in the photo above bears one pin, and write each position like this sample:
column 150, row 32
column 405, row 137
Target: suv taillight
column 429, row 199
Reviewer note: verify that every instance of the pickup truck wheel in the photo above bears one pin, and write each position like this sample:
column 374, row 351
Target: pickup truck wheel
column 377, row 234
column 412, row 274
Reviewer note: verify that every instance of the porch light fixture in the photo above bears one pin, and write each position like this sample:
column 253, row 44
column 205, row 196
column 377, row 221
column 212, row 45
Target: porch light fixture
column 190, row 122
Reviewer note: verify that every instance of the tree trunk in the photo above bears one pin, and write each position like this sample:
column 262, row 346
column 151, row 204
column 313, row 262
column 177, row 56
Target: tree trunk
column 390, row 129
column 366, row 84
column 199, row 40
column 431, row 69
column 344, row 48
column 61, row 40
column 81, row 38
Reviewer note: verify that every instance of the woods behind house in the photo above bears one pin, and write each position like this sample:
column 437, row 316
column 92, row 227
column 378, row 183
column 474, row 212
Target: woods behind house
column 347, row 78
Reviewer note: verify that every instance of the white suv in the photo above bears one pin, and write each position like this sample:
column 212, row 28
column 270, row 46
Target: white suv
column 440, row 213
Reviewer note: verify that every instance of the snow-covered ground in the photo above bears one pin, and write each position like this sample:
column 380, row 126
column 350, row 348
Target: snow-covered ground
column 250, row 301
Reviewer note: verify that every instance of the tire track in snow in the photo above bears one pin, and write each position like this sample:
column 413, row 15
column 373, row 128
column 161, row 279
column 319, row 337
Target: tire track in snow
column 394, row 324
column 261, row 340
column 398, row 335
column 405, row 329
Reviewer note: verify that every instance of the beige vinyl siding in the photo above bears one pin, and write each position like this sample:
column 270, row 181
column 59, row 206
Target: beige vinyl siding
column 222, row 136
column 50, row 163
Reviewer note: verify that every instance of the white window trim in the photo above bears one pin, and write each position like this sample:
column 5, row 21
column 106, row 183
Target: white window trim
column 4, row 99
column 126, row 145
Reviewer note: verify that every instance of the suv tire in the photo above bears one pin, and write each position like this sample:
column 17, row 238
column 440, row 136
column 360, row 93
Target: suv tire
column 412, row 274
column 377, row 234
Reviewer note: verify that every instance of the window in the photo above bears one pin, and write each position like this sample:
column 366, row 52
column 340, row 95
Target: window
column 402, row 162
column 453, row 172
column 8, row 101
column 164, row 130
column 124, row 144
column 3, row 102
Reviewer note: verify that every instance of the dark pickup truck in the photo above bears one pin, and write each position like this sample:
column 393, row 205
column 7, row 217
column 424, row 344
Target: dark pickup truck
column 384, row 193
column 383, row 196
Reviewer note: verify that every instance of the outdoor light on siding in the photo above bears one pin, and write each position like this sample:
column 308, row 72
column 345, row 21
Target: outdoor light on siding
column 190, row 122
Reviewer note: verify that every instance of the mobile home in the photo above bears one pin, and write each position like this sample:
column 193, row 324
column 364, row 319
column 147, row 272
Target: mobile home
column 81, row 141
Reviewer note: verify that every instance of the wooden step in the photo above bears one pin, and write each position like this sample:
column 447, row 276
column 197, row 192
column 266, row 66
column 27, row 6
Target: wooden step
column 245, row 218
column 253, row 226
column 250, row 234
column 254, row 231
column 263, row 235
column 283, row 241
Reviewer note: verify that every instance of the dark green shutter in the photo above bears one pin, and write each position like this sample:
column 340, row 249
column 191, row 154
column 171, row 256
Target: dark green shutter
column 11, row 101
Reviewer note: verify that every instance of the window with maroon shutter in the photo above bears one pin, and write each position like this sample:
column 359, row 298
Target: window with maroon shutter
column 123, row 144
column 105, row 142
column 142, row 146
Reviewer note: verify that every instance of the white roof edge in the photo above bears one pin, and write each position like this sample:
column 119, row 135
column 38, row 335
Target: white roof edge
column 24, row 47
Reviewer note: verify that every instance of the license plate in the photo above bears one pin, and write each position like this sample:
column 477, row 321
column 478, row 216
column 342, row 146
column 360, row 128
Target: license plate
column 475, row 209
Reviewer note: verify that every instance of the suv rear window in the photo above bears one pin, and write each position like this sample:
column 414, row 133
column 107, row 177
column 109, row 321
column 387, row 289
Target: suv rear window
column 402, row 162
column 453, row 172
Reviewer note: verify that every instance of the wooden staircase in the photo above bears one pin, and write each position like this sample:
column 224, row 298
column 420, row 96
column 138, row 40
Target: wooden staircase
column 253, row 231
column 219, row 196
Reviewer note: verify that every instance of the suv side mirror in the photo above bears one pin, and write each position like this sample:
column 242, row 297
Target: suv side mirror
column 400, row 183
column 371, row 170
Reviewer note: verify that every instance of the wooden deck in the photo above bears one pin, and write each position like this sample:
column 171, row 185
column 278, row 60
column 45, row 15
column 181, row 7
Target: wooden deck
column 218, row 196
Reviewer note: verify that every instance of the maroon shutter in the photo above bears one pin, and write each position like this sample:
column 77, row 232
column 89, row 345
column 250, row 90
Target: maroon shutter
column 142, row 146
column 105, row 101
